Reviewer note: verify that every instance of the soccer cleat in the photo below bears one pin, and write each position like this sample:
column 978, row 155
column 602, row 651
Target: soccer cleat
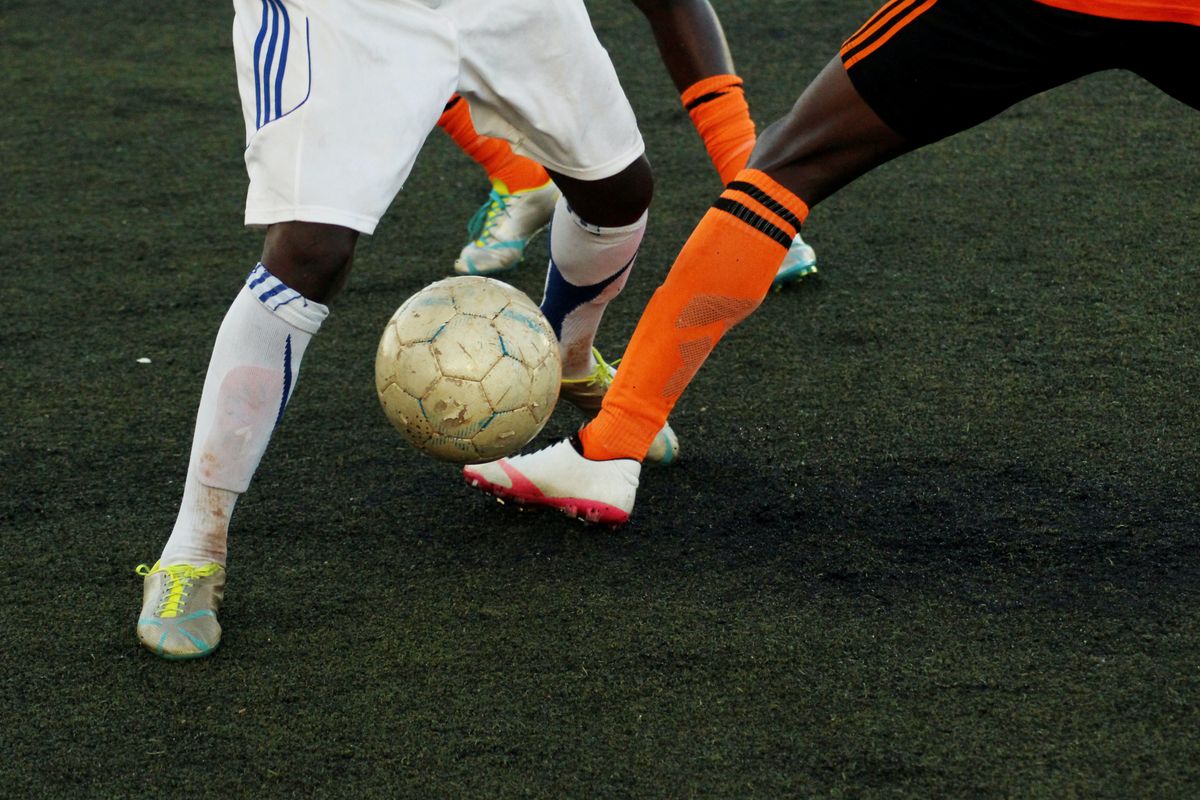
column 561, row 477
column 179, row 609
column 503, row 226
column 587, row 394
column 800, row 261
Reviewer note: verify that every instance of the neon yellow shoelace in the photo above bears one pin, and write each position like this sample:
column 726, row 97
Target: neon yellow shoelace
column 600, row 374
column 179, row 580
column 480, row 226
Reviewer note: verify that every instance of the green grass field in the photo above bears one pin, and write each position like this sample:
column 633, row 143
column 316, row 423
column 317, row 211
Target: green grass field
column 934, row 532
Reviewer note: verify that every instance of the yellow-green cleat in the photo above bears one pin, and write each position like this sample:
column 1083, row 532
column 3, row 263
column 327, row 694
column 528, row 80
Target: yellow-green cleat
column 179, row 609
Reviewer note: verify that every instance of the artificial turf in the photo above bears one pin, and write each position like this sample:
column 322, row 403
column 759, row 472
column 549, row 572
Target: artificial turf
column 933, row 533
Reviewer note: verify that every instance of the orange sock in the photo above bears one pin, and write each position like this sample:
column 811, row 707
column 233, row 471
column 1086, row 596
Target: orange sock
column 717, row 106
column 723, row 272
column 496, row 156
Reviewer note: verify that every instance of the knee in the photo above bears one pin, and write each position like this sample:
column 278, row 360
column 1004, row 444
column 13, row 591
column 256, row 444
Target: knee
column 312, row 258
column 614, row 201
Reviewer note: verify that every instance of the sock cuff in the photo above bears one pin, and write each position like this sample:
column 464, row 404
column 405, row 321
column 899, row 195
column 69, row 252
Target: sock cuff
column 598, row 230
column 284, row 302
column 613, row 434
column 757, row 199
column 708, row 89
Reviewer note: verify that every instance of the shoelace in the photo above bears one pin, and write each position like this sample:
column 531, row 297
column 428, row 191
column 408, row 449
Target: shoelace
column 601, row 374
column 480, row 226
column 175, row 587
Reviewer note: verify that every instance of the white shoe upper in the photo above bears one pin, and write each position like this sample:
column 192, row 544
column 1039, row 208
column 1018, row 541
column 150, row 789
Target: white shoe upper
column 502, row 228
column 800, row 261
column 560, row 477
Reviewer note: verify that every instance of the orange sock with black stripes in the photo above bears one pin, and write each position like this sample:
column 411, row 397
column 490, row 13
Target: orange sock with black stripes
column 722, row 274
column 496, row 156
column 717, row 106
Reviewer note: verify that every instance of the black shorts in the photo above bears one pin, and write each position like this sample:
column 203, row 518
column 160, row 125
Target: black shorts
column 930, row 69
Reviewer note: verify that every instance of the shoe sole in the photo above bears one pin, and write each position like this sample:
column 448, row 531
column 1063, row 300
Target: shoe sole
column 579, row 508
column 501, row 270
column 202, row 650
column 794, row 274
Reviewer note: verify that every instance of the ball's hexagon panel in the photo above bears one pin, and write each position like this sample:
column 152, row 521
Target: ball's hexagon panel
column 456, row 407
column 507, row 385
column 467, row 348
column 525, row 334
column 422, row 316
column 506, row 433
column 413, row 367
column 483, row 297
column 405, row 414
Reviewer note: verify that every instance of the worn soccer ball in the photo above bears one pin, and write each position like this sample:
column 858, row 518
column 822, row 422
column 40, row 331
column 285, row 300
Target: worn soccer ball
column 468, row 369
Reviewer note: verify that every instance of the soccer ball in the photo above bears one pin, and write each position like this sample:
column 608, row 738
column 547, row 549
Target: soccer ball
column 468, row 369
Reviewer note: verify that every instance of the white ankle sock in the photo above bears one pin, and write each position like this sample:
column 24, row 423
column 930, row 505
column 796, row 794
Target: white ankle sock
column 251, row 375
column 589, row 266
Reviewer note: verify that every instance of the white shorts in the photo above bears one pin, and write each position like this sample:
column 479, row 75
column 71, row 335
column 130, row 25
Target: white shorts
column 339, row 95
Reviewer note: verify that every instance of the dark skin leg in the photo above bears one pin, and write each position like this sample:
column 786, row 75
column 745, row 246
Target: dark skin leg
column 689, row 38
column 310, row 257
column 829, row 138
column 610, row 202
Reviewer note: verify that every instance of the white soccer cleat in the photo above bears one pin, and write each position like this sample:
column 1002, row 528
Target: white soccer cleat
column 800, row 262
column 587, row 394
column 503, row 226
column 561, row 477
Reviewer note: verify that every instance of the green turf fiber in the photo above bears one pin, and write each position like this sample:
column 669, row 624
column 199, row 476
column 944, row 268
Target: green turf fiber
column 934, row 532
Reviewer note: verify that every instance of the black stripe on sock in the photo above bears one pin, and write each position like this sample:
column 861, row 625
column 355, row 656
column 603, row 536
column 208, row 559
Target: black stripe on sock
column 705, row 98
column 768, row 201
column 754, row 220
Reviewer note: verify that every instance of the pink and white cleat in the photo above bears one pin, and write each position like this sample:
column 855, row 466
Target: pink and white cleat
column 561, row 477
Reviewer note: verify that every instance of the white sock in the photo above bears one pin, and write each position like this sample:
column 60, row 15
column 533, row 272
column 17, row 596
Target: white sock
column 589, row 266
column 251, row 375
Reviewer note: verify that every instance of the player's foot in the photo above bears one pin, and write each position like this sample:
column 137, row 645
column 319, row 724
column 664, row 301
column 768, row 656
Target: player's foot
column 800, row 261
column 179, row 609
column 503, row 226
column 587, row 393
column 561, row 477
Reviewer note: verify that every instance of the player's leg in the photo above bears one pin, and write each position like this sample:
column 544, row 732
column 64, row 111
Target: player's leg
column 694, row 50
column 830, row 137
column 252, row 373
column 314, row 201
column 594, row 239
column 513, row 172
column 564, row 107
column 597, row 231
column 518, row 206
column 696, row 54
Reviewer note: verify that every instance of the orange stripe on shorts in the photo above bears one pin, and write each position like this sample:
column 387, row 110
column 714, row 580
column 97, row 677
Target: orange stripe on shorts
column 881, row 18
column 875, row 45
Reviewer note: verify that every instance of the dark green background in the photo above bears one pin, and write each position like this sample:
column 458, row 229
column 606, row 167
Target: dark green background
column 934, row 533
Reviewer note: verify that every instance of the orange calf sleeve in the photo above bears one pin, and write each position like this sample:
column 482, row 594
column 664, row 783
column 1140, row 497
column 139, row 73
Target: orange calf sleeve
column 496, row 156
column 721, row 275
column 717, row 106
